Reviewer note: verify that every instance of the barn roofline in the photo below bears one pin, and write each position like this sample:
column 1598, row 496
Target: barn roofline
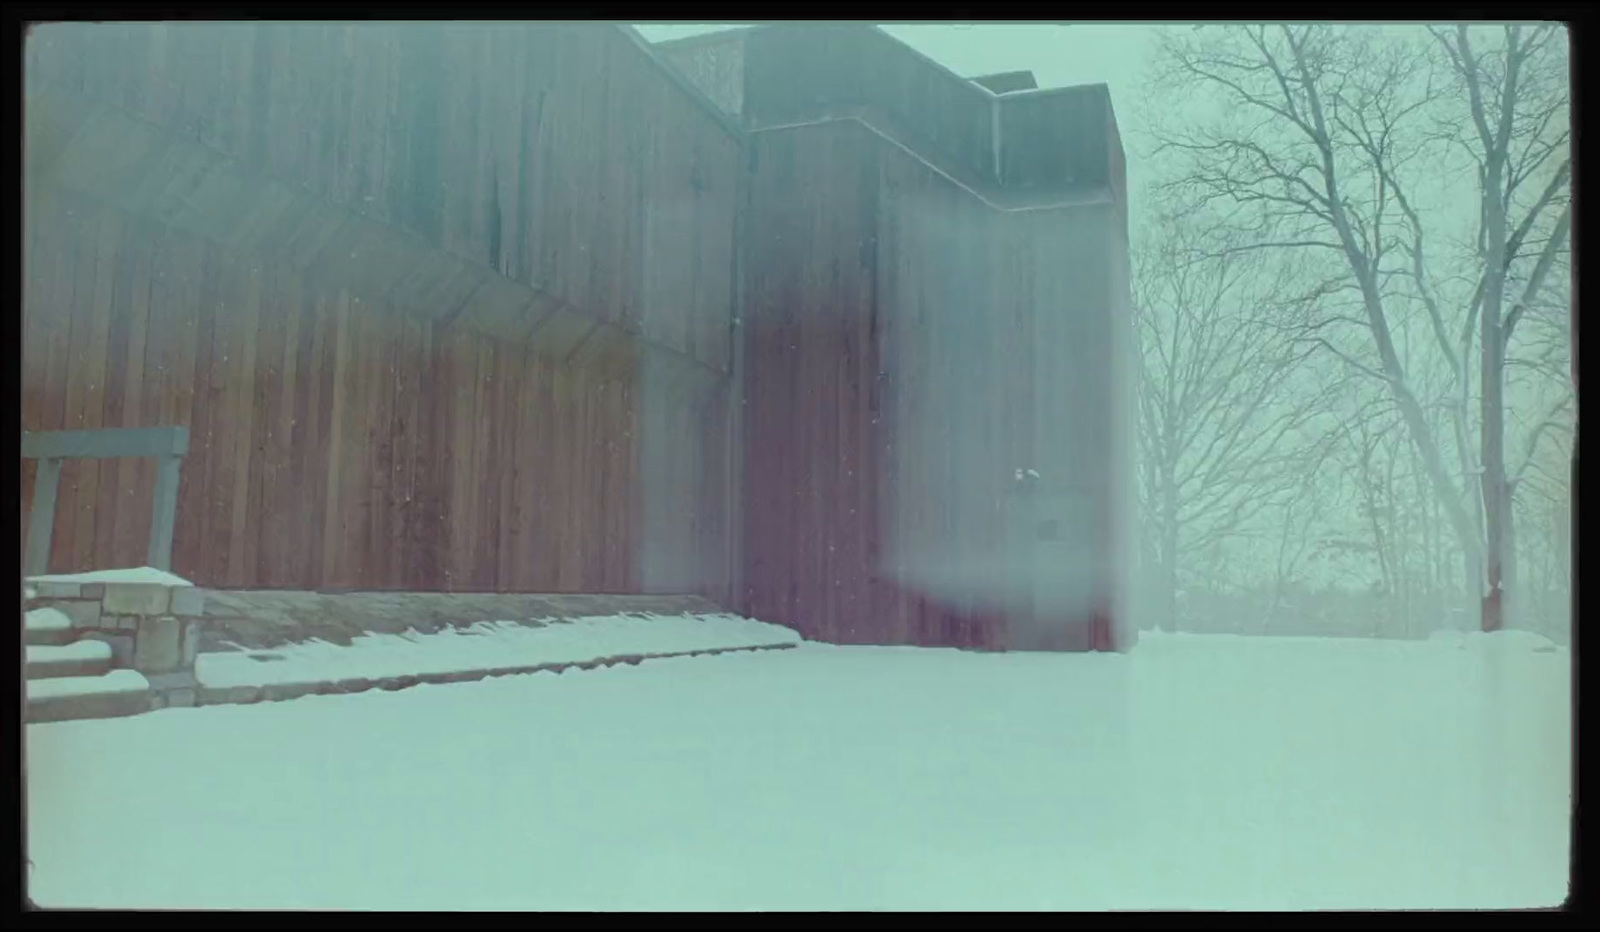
column 1001, row 82
column 1003, row 109
column 740, row 32
column 999, row 200
column 701, row 38
column 724, row 120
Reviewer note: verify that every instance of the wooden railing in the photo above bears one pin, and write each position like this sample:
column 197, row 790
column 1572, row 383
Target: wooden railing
column 167, row 444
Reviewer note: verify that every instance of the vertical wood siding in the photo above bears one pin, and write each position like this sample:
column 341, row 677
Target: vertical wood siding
column 908, row 348
column 533, row 149
column 337, row 440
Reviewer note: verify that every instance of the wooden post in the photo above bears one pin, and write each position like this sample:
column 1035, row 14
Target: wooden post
column 165, row 515
column 167, row 444
column 42, row 517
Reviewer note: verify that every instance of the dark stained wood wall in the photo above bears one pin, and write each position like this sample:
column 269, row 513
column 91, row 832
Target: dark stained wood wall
column 536, row 149
column 804, row 71
column 712, row 62
column 876, row 291
column 958, row 317
column 338, row 442
column 1080, row 418
column 1055, row 139
column 908, row 348
column 813, row 394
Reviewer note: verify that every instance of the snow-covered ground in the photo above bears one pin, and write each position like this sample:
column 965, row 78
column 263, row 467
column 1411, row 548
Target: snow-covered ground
column 1195, row 772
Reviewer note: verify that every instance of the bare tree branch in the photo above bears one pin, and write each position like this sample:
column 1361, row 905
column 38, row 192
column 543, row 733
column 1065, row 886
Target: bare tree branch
column 1550, row 421
column 1332, row 145
column 1540, row 270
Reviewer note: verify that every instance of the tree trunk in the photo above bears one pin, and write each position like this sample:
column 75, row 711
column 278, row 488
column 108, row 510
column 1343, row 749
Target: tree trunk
column 1513, row 603
column 1169, row 556
column 1411, row 410
column 1169, row 592
column 1496, row 491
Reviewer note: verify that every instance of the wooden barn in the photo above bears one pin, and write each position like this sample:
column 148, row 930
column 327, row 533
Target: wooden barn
column 792, row 318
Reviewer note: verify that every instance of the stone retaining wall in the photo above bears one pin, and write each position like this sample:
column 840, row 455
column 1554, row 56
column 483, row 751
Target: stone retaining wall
column 152, row 628
column 264, row 619
column 159, row 630
column 279, row 692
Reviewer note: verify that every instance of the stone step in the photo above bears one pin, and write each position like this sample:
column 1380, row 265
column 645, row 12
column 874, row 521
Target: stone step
column 81, row 658
column 114, row 694
column 47, row 626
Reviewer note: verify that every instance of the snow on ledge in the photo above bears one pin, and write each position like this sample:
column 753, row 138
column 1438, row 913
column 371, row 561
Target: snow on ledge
column 142, row 574
column 488, row 645
column 87, row 649
column 117, row 681
column 47, row 619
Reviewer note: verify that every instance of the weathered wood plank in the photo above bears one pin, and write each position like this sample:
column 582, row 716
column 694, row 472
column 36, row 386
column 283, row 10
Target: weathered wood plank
column 36, row 302
column 410, row 358
column 357, row 470
column 112, row 320
column 215, row 365
column 57, row 315
column 535, row 453
column 431, row 530
column 382, row 434
column 163, row 519
column 523, row 490
column 139, row 484
column 244, row 392
column 86, row 369
column 353, row 430
column 477, row 482
column 42, row 509
column 34, row 336
column 321, row 377
column 334, row 518
column 269, row 427
column 283, row 563
column 187, row 399
column 502, row 465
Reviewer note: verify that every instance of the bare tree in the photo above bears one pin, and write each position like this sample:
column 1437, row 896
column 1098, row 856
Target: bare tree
column 1218, row 433
column 1333, row 143
column 1516, row 93
column 1298, row 526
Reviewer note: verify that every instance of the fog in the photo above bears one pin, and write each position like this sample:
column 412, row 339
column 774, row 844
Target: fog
column 1214, row 469
column 1356, row 552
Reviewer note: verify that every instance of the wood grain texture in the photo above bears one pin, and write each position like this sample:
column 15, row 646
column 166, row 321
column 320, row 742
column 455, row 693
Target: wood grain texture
column 362, row 414
column 536, row 150
column 339, row 443
column 908, row 349
column 450, row 307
